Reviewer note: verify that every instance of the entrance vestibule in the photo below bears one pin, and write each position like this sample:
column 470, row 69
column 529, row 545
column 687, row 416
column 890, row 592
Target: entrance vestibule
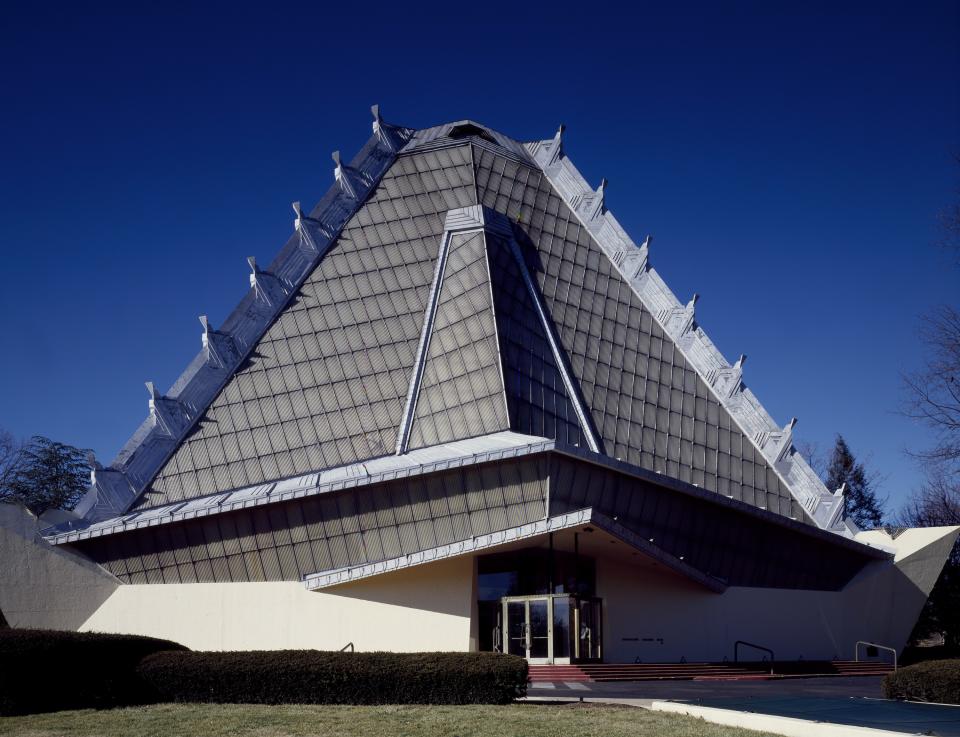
column 540, row 604
column 550, row 629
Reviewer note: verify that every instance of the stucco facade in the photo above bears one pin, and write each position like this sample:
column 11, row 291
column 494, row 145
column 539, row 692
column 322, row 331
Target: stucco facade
column 650, row 613
column 416, row 610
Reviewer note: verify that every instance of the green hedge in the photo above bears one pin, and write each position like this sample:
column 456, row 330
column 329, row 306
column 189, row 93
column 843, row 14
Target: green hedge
column 935, row 681
column 315, row 677
column 48, row 670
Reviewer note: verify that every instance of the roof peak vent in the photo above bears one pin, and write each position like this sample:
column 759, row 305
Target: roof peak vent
column 465, row 130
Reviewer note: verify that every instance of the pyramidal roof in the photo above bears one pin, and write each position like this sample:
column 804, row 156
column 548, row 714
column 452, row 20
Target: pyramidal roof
column 452, row 284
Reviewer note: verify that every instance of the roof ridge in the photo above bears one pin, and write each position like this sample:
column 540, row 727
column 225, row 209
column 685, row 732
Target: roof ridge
column 114, row 489
column 725, row 381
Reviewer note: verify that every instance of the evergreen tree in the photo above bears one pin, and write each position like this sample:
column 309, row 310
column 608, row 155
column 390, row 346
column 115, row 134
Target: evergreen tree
column 46, row 475
column 859, row 499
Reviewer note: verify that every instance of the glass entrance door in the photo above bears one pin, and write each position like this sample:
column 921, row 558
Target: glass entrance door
column 529, row 627
column 540, row 628
column 515, row 617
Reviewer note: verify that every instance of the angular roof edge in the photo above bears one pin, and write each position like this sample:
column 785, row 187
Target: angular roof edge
column 114, row 489
column 457, row 454
column 712, row 497
column 678, row 321
column 578, row 518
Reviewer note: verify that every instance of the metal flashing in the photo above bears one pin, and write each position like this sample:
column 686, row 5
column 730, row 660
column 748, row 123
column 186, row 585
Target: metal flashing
column 569, row 520
column 682, row 487
column 173, row 415
column 419, row 462
column 677, row 320
column 573, row 389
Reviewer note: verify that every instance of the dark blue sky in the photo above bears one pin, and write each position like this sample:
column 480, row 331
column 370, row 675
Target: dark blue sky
column 790, row 161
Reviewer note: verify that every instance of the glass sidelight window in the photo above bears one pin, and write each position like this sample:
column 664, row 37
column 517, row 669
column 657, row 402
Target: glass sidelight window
column 562, row 626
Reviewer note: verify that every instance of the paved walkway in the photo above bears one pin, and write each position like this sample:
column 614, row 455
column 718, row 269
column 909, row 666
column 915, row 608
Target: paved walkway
column 805, row 707
column 868, row 686
column 897, row 716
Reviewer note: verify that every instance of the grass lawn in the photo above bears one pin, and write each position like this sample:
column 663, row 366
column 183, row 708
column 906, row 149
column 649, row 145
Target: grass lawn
column 518, row 720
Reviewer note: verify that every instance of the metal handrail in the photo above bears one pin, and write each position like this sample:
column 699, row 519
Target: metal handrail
column 348, row 645
column 736, row 651
column 856, row 651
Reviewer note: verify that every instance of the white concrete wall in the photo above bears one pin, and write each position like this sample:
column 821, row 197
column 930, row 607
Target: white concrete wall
column 42, row 586
column 419, row 609
column 657, row 615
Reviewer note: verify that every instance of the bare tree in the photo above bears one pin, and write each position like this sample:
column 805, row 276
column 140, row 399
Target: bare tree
column 9, row 456
column 933, row 398
column 933, row 393
column 814, row 455
column 936, row 503
column 950, row 222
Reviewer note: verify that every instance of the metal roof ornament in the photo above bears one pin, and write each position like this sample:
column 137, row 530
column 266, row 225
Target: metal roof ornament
column 383, row 131
column 344, row 180
column 168, row 414
column 786, row 440
column 727, row 382
column 93, row 463
column 257, row 282
column 633, row 260
column 219, row 347
column 556, row 150
column 599, row 202
column 205, row 338
column 306, row 238
column 678, row 321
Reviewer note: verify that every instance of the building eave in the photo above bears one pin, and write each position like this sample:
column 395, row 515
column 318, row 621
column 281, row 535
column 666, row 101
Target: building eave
column 481, row 543
column 461, row 453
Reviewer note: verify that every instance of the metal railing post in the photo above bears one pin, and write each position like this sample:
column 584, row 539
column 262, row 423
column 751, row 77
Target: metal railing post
column 736, row 651
column 856, row 651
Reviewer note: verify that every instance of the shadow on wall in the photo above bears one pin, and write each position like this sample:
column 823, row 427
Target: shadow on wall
column 442, row 587
column 43, row 586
